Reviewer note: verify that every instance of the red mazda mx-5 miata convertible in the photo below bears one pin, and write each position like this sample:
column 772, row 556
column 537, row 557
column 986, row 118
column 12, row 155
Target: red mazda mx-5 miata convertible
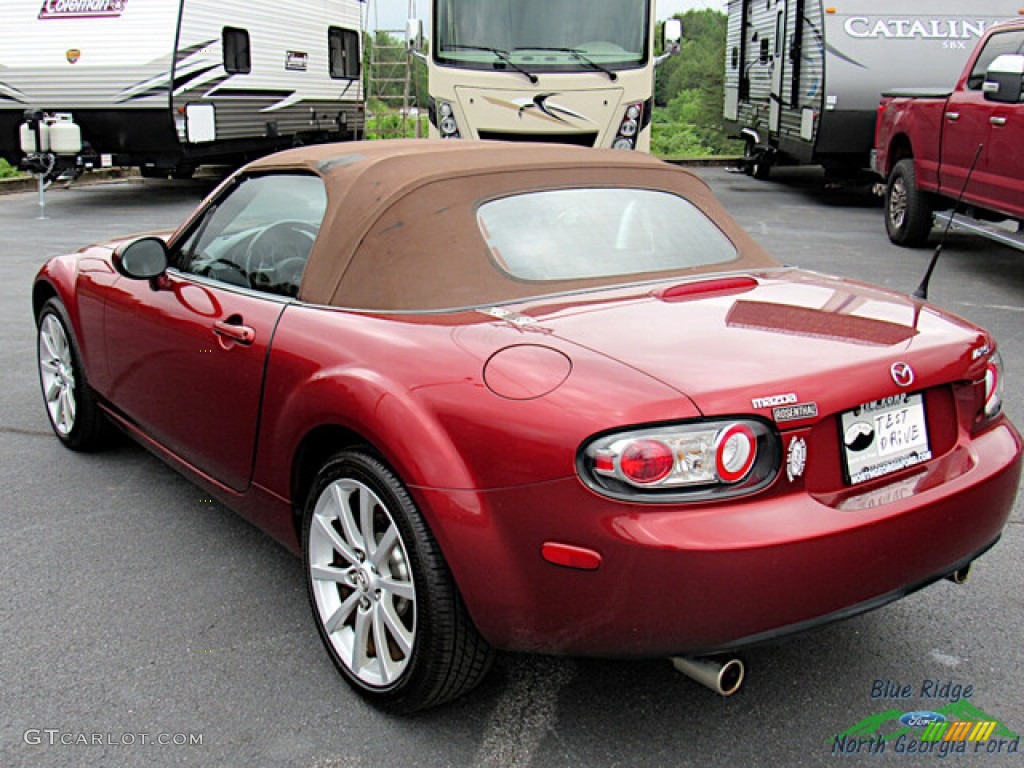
column 531, row 397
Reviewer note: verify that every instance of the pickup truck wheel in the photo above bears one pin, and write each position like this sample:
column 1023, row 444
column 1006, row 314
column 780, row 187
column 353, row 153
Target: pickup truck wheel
column 908, row 211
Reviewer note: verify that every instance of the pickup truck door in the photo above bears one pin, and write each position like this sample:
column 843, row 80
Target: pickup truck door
column 1004, row 180
column 969, row 120
column 965, row 126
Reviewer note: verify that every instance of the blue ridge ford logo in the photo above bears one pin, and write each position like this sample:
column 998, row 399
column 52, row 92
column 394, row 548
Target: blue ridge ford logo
column 922, row 719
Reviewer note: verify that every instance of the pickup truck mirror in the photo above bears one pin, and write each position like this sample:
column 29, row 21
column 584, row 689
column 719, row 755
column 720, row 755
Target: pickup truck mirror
column 1004, row 81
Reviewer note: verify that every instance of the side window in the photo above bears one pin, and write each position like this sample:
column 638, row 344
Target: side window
column 343, row 53
column 259, row 234
column 766, row 50
column 997, row 45
column 237, row 55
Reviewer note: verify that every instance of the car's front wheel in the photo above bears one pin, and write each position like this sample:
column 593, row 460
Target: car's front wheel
column 70, row 402
column 908, row 212
column 384, row 601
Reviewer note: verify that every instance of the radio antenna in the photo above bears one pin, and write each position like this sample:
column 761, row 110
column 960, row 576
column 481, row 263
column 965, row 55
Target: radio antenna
column 922, row 289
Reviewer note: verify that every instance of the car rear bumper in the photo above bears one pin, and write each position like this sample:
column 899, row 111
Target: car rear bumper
column 706, row 578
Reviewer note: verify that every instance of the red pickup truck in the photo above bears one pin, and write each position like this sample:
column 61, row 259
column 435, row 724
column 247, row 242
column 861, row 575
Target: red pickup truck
column 935, row 148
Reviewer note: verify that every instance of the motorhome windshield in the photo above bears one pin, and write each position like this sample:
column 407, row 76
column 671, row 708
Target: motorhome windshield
column 542, row 35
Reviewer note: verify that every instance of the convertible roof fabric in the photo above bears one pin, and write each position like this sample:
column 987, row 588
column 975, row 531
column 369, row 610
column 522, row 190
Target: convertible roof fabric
column 401, row 229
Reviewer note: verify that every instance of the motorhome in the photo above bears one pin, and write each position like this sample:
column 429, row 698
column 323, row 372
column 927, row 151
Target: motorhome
column 543, row 70
column 803, row 78
column 170, row 84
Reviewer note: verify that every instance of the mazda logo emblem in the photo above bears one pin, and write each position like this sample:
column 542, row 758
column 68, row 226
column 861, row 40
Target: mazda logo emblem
column 902, row 374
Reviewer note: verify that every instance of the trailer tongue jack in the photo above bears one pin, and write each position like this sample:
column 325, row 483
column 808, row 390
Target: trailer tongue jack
column 52, row 144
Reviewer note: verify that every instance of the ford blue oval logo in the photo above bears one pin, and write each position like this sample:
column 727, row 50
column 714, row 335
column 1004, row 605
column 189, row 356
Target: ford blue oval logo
column 922, row 719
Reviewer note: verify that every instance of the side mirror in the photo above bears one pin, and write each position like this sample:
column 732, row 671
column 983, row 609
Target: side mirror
column 1004, row 81
column 671, row 33
column 671, row 36
column 413, row 34
column 142, row 259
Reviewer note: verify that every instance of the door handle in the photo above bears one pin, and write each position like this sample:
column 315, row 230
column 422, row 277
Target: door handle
column 953, row 116
column 997, row 120
column 241, row 334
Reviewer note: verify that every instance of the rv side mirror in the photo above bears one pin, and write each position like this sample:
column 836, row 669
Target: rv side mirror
column 141, row 259
column 413, row 34
column 671, row 33
column 1004, row 81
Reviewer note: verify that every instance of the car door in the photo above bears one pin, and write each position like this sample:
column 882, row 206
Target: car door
column 187, row 353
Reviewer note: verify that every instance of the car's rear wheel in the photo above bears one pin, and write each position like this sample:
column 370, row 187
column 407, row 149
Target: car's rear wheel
column 385, row 603
column 908, row 212
column 70, row 403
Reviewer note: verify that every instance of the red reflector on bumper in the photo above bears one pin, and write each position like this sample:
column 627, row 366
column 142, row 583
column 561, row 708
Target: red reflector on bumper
column 571, row 557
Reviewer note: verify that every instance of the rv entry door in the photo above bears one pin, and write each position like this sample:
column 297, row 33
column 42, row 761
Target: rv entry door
column 778, row 69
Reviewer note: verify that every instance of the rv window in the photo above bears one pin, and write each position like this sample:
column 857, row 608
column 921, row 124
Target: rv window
column 237, row 57
column 343, row 52
column 766, row 50
column 1006, row 42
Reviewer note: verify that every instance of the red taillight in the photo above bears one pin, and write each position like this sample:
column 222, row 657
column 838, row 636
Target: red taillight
column 646, row 461
column 735, row 452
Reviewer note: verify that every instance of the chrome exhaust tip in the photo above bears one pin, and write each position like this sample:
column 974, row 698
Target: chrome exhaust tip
column 959, row 576
column 722, row 677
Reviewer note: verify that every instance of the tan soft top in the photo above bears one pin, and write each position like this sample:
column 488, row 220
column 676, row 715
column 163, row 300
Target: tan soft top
column 401, row 232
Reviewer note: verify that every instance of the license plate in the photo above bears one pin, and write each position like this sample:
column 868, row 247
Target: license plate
column 883, row 437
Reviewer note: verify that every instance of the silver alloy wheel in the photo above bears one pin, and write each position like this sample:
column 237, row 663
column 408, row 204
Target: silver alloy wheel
column 362, row 582
column 57, row 372
column 898, row 200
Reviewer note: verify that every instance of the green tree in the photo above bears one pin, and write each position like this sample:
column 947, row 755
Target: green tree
column 689, row 91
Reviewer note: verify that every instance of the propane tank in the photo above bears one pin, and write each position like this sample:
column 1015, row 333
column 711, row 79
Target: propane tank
column 28, row 137
column 65, row 137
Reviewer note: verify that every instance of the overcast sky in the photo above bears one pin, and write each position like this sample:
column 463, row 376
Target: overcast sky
column 391, row 14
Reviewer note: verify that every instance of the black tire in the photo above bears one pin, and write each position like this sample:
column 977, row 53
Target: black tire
column 749, row 157
column 402, row 593
column 761, row 168
column 183, row 171
column 71, row 404
column 757, row 161
column 908, row 210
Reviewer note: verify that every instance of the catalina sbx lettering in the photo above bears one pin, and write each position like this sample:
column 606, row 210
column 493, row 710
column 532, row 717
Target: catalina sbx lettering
column 945, row 690
column 925, row 29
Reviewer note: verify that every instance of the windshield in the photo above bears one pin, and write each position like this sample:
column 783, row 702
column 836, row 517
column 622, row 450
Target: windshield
column 542, row 35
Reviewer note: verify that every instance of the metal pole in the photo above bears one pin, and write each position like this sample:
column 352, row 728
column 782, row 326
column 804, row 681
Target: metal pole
column 42, row 196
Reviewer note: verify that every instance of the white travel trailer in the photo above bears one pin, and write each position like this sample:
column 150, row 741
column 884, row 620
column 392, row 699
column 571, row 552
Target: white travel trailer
column 170, row 84
column 803, row 78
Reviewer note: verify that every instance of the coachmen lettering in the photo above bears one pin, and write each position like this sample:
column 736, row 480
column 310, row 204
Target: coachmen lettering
column 69, row 9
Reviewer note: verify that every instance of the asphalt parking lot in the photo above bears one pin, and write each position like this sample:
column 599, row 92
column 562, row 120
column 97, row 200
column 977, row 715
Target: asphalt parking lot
column 144, row 625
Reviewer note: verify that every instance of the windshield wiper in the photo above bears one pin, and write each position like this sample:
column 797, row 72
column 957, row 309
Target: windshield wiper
column 578, row 55
column 503, row 55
